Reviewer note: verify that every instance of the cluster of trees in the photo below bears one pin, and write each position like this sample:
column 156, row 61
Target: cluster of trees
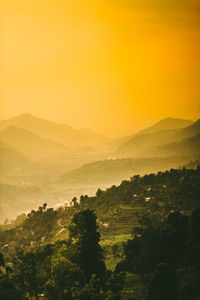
column 174, row 190
column 36, row 229
column 68, row 269
column 167, row 258
column 178, row 189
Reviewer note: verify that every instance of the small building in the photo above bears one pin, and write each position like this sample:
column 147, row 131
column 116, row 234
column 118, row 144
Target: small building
column 105, row 225
column 61, row 231
column 39, row 297
column 147, row 199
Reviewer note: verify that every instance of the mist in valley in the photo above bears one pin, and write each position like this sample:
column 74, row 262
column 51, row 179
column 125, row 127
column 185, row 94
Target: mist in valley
column 46, row 162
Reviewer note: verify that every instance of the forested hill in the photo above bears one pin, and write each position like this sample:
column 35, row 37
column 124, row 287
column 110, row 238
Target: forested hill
column 115, row 170
column 118, row 209
column 149, row 229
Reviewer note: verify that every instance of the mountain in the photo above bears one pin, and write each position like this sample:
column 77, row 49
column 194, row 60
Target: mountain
column 189, row 146
column 139, row 145
column 166, row 124
column 60, row 133
column 190, row 131
column 29, row 143
column 112, row 171
column 163, row 125
column 117, row 142
column 11, row 159
column 148, row 144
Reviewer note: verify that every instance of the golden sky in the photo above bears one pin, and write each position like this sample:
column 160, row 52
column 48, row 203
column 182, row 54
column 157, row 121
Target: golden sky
column 114, row 66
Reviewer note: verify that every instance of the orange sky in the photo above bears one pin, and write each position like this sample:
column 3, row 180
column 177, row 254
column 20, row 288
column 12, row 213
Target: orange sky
column 111, row 65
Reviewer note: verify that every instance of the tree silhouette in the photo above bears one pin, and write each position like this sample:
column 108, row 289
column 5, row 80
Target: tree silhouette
column 85, row 238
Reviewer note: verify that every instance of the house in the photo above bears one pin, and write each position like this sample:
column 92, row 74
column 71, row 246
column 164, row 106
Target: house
column 39, row 297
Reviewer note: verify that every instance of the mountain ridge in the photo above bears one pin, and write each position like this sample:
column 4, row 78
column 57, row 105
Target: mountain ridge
column 28, row 142
column 167, row 123
column 141, row 144
column 61, row 133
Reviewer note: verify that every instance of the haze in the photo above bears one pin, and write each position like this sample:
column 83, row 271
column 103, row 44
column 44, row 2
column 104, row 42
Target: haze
column 111, row 65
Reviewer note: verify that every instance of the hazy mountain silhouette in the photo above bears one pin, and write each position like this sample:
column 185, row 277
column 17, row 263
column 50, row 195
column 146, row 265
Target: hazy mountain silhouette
column 27, row 142
column 151, row 152
column 11, row 159
column 148, row 145
column 190, row 131
column 27, row 135
column 189, row 146
column 60, row 133
column 166, row 124
column 142, row 142
column 113, row 171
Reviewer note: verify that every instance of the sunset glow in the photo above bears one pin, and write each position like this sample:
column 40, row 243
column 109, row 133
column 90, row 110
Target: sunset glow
column 114, row 66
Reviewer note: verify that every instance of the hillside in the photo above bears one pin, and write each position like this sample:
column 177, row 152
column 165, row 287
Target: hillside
column 142, row 223
column 120, row 207
column 11, row 159
column 167, row 124
column 59, row 190
column 149, row 145
column 141, row 143
column 114, row 170
column 190, row 131
column 60, row 133
column 189, row 147
column 29, row 143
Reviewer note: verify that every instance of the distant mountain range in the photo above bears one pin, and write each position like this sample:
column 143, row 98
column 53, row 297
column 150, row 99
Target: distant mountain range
column 158, row 143
column 167, row 124
column 190, row 131
column 60, row 133
column 158, row 150
column 27, row 142
column 60, row 147
column 189, row 146
column 36, row 152
column 33, row 135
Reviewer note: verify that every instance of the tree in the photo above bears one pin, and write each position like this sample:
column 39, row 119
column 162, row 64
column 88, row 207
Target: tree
column 64, row 276
column 99, row 192
column 163, row 284
column 85, row 238
column 115, row 284
column 26, row 272
column 8, row 290
column 75, row 202
column 44, row 206
column 77, row 267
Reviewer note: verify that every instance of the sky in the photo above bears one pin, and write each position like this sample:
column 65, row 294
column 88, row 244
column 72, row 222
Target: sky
column 114, row 66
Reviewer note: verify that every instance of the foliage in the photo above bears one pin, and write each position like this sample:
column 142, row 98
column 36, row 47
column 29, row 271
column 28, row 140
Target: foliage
column 59, row 252
column 172, row 249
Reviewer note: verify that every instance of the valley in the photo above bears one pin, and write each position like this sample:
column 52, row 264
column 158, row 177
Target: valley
column 32, row 160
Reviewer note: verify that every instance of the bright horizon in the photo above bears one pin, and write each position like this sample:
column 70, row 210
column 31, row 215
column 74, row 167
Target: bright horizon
column 112, row 66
